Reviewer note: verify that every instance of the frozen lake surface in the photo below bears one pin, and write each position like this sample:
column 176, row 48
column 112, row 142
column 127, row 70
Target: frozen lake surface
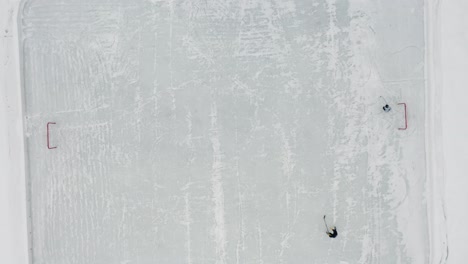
column 222, row 131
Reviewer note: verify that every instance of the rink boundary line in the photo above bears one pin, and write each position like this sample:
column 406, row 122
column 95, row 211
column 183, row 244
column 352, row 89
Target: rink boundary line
column 435, row 178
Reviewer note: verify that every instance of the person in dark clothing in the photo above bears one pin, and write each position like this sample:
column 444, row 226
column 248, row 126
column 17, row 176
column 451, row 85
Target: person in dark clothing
column 387, row 108
column 333, row 232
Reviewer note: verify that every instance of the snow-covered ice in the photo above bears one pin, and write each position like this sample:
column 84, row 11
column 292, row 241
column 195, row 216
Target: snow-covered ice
column 222, row 132
column 13, row 216
column 452, row 72
column 193, row 132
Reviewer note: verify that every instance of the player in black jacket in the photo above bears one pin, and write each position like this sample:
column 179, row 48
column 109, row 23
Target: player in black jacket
column 333, row 232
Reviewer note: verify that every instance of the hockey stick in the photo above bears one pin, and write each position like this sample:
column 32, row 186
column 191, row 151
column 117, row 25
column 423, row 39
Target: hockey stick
column 325, row 222
column 383, row 99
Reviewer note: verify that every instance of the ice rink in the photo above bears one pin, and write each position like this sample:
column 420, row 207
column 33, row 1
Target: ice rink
column 223, row 131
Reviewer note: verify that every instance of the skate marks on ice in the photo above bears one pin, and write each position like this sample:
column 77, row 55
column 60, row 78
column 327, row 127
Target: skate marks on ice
column 209, row 132
column 370, row 146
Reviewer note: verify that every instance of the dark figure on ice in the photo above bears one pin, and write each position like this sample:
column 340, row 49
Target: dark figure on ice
column 387, row 108
column 333, row 232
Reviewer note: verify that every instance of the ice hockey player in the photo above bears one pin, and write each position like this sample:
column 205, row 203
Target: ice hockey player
column 387, row 108
column 333, row 232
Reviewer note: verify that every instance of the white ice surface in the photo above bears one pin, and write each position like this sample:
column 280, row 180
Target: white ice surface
column 13, row 245
column 199, row 132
